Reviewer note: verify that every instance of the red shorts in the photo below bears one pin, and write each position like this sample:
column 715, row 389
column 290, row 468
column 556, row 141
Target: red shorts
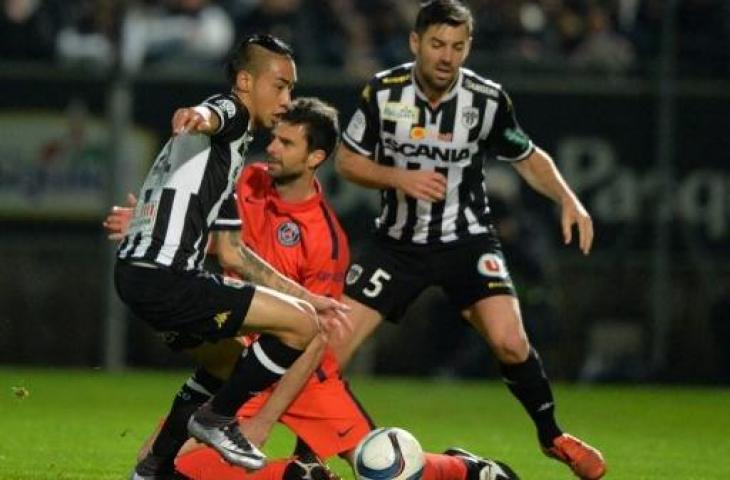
column 325, row 415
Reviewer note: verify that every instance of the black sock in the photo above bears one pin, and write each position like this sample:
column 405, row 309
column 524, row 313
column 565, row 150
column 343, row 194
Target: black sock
column 259, row 366
column 527, row 381
column 195, row 391
column 304, row 452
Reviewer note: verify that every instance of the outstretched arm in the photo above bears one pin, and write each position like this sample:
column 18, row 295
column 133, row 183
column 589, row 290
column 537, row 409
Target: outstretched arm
column 541, row 173
column 237, row 257
column 198, row 119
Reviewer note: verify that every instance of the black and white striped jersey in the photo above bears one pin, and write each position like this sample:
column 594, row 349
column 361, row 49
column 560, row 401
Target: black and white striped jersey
column 193, row 177
column 395, row 126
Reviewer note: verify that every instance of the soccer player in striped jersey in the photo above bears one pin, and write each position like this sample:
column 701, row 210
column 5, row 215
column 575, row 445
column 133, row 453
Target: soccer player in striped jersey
column 285, row 220
column 420, row 135
column 158, row 273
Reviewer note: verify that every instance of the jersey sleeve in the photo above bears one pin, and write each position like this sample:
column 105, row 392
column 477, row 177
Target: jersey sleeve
column 228, row 218
column 232, row 114
column 361, row 134
column 507, row 141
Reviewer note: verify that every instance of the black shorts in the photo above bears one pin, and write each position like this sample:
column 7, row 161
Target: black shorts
column 388, row 276
column 185, row 308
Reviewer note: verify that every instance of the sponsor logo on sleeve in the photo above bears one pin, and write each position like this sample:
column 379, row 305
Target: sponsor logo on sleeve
column 356, row 128
column 399, row 79
column 517, row 137
column 480, row 88
column 226, row 106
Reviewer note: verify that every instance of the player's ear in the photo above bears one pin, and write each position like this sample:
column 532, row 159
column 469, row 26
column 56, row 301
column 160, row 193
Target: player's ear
column 244, row 81
column 315, row 158
column 414, row 41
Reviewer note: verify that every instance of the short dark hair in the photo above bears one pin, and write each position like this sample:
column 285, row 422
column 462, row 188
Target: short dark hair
column 242, row 55
column 450, row 12
column 320, row 121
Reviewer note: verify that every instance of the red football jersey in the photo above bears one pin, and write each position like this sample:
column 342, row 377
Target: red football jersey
column 302, row 240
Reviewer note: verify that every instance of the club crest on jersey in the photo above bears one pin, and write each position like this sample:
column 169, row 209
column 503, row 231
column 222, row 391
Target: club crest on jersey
column 492, row 265
column 396, row 112
column 469, row 116
column 353, row 274
column 288, row 234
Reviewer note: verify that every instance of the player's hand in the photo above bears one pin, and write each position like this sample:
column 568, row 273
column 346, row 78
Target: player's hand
column 421, row 184
column 192, row 119
column 332, row 315
column 118, row 218
column 574, row 213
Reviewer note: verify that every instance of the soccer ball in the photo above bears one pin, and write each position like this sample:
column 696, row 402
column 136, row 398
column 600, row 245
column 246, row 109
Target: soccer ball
column 389, row 454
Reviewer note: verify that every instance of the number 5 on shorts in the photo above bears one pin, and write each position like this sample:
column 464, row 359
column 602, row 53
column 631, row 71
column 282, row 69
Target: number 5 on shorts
column 376, row 283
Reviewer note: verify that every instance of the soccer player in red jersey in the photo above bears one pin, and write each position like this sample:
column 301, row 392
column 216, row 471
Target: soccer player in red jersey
column 286, row 222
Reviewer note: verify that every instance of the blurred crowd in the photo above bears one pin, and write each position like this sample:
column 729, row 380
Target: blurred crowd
column 361, row 36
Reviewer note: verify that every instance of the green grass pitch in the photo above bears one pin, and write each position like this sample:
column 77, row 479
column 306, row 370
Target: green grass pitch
column 84, row 425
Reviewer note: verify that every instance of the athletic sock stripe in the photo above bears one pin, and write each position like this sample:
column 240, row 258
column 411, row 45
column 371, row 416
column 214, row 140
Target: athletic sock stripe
column 196, row 387
column 267, row 362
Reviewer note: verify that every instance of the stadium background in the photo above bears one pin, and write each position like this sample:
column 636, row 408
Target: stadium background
column 629, row 95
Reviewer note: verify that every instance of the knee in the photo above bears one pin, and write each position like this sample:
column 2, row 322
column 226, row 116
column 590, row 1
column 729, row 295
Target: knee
column 306, row 325
column 511, row 349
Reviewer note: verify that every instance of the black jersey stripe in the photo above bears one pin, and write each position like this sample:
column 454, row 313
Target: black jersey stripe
column 394, row 95
column 193, row 221
column 411, row 205
column 480, row 103
column 162, row 222
column 448, row 117
column 437, row 213
column 332, row 231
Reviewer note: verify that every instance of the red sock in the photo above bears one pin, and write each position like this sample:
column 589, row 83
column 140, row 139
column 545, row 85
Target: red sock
column 206, row 464
column 443, row 467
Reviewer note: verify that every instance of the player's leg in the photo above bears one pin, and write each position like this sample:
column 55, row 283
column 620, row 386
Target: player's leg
column 287, row 326
column 477, row 468
column 477, row 280
column 364, row 322
column 158, row 452
column 498, row 320
column 210, row 309
column 381, row 283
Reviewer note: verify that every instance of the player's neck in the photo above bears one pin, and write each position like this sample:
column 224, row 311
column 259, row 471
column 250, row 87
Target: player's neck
column 296, row 189
column 433, row 95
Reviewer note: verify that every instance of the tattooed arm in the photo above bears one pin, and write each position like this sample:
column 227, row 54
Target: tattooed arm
column 237, row 257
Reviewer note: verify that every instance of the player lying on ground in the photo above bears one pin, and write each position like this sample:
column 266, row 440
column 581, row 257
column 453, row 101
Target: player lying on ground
column 285, row 220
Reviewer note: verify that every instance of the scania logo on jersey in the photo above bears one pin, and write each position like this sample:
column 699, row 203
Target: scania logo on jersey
column 227, row 106
column 396, row 112
column 492, row 265
column 429, row 151
column 353, row 274
column 469, row 116
column 288, row 234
